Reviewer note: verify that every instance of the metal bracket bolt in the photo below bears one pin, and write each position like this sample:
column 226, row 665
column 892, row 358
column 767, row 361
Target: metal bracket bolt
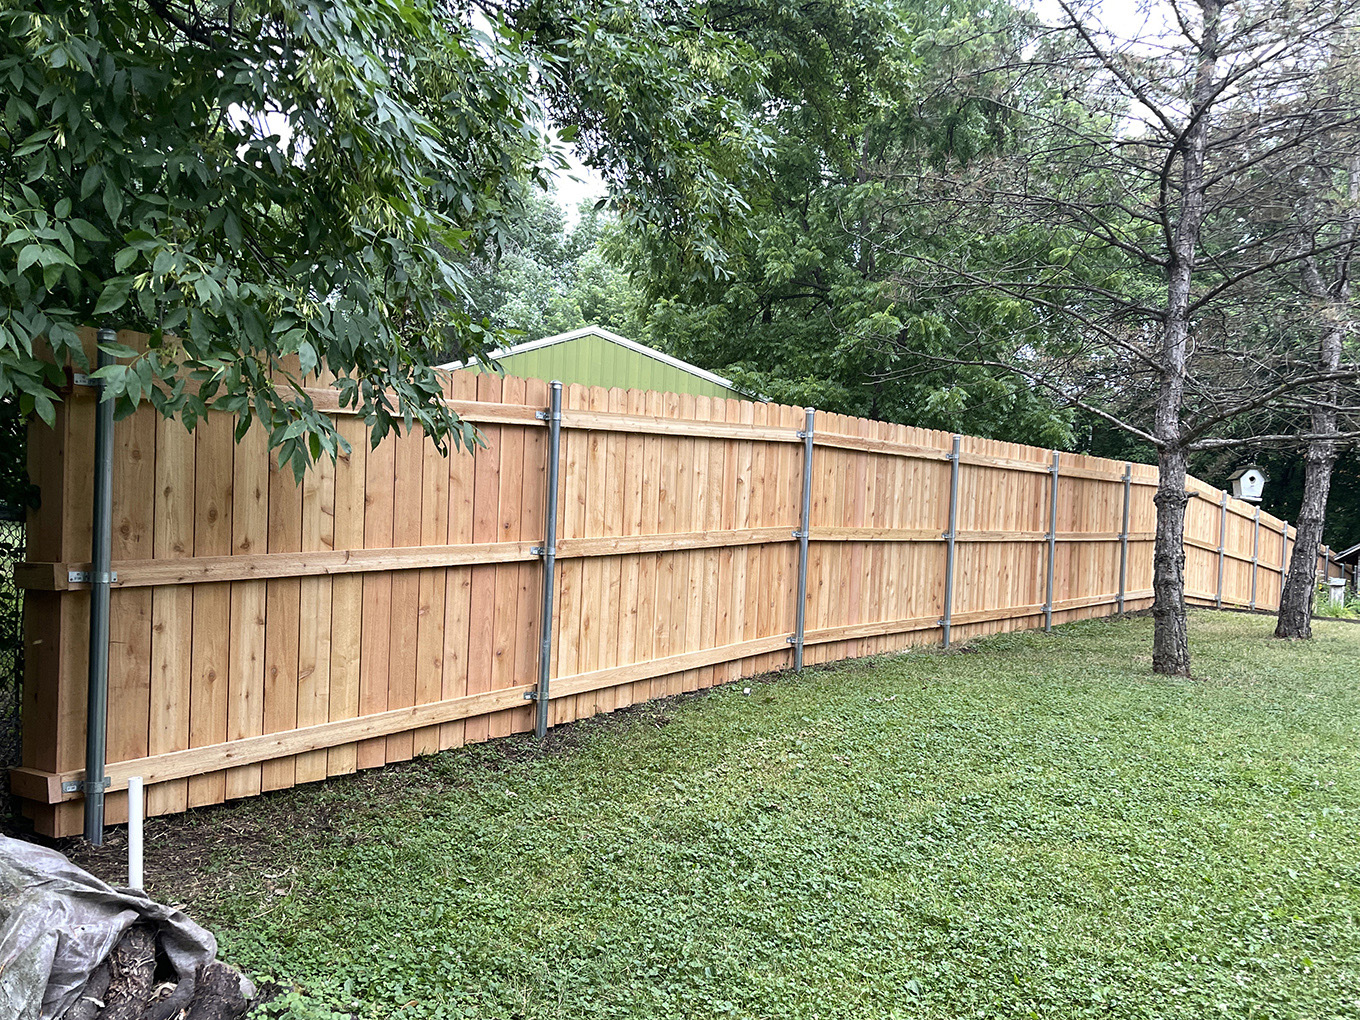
column 86, row 577
column 80, row 786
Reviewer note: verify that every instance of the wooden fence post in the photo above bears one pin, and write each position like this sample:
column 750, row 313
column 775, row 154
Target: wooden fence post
column 1124, row 536
column 1052, row 541
column 805, row 526
column 1222, row 543
column 946, row 621
column 56, row 622
column 1255, row 551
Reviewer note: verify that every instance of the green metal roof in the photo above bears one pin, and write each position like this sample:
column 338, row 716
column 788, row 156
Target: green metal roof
column 596, row 357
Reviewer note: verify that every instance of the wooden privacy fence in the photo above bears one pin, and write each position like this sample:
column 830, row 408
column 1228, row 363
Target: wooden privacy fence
column 265, row 634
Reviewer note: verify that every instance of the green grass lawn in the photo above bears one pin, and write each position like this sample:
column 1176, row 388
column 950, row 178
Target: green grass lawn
column 1034, row 827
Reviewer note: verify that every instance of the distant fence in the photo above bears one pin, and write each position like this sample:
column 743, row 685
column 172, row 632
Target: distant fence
column 266, row 634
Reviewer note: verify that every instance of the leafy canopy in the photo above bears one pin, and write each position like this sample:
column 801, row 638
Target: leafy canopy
column 549, row 277
column 282, row 191
column 815, row 306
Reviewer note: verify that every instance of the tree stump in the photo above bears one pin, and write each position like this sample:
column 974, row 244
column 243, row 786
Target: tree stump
column 124, row 987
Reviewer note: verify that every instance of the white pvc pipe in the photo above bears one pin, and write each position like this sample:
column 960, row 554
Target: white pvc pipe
column 136, row 811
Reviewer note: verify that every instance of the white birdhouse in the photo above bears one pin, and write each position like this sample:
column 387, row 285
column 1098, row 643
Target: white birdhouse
column 1248, row 483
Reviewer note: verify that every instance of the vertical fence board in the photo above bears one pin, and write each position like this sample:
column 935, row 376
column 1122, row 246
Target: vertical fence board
column 172, row 611
column 214, row 476
column 613, row 501
column 283, row 600
column 347, row 593
column 505, row 667
column 404, row 637
column 316, row 595
column 375, row 635
column 532, row 528
column 250, row 531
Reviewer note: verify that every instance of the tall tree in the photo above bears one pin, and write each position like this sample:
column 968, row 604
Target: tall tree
column 853, row 88
column 1158, row 160
column 1325, row 279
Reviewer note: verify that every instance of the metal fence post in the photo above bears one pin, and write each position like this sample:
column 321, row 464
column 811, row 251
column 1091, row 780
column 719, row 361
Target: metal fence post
column 1222, row 545
column 946, row 621
column 548, row 550
column 1255, row 552
column 1052, row 540
column 804, row 527
column 1284, row 564
column 1124, row 535
column 97, row 698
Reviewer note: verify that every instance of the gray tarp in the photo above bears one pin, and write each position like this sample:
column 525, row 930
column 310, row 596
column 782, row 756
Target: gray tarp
column 58, row 923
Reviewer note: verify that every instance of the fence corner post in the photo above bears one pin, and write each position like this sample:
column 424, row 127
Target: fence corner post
column 1255, row 551
column 1052, row 538
column 804, row 527
column 947, row 621
column 1222, row 546
column 1124, row 536
column 548, row 551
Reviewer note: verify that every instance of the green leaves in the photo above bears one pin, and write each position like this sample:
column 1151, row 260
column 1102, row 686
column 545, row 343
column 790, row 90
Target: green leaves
column 292, row 191
column 113, row 296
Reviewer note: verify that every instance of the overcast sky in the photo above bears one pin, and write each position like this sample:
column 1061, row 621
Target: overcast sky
column 575, row 185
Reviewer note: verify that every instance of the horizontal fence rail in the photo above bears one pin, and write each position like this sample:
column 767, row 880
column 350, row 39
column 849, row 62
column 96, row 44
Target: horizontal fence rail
column 266, row 633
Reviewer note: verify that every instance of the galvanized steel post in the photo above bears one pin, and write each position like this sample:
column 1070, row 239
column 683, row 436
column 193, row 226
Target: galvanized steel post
column 1124, row 535
column 805, row 525
column 1052, row 540
column 1222, row 544
column 1255, row 552
column 946, row 621
column 97, row 697
column 549, row 553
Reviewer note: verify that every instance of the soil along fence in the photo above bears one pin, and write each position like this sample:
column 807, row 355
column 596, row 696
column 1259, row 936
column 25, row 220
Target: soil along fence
column 265, row 634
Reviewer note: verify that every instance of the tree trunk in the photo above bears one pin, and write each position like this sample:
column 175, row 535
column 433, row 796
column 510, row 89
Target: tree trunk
column 1170, row 637
column 1296, row 598
column 1296, row 601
